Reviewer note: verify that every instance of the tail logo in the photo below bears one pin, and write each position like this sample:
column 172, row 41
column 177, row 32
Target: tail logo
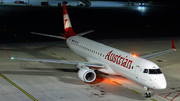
column 65, row 22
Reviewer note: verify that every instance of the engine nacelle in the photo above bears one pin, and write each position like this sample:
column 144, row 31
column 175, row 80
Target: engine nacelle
column 87, row 75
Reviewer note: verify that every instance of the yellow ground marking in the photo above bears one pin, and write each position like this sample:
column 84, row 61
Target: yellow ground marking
column 101, row 76
column 18, row 87
column 130, row 89
column 135, row 91
column 36, row 45
column 53, row 53
column 153, row 99
column 44, row 49
column 117, row 83
column 63, row 58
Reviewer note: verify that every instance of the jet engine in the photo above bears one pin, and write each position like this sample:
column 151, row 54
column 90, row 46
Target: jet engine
column 87, row 75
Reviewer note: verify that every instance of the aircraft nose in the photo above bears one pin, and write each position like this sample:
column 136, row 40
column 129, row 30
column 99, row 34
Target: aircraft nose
column 161, row 82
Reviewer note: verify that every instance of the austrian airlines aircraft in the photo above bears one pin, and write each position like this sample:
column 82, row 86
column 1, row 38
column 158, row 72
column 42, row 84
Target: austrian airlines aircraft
column 108, row 59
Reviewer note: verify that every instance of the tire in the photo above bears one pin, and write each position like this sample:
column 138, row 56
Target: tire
column 149, row 94
column 146, row 95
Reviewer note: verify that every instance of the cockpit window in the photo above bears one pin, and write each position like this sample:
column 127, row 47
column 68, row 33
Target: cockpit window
column 145, row 71
column 155, row 71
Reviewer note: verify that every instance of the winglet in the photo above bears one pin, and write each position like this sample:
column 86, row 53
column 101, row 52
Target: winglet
column 6, row 51
column 173, row 45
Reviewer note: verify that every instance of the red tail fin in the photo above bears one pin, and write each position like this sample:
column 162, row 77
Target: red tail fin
column 67, row 24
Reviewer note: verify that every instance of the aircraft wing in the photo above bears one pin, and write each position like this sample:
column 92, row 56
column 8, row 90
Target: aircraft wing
column 88, row 64
column 154, row 54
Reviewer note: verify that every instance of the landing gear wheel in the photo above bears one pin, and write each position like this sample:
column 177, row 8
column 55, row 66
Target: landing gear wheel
column 147, row 95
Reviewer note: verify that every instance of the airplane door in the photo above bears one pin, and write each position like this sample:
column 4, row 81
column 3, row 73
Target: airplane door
column 137, row 68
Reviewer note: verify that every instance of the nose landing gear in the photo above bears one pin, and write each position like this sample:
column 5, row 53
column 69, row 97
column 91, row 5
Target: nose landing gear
column 148, row 93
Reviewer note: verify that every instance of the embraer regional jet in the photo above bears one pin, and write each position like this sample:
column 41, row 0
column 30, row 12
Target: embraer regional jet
column 108, row 59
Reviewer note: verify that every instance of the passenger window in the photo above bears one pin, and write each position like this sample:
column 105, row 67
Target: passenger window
column 145, row 71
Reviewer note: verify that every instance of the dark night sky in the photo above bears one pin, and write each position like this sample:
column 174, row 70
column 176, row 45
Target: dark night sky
column 124, row 22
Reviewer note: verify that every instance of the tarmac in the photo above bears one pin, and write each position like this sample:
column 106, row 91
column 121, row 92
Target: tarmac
column 132, row 29
column 35, row 81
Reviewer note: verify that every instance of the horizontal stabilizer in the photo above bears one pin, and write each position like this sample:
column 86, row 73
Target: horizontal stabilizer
column 84, row 33
column 59, row 37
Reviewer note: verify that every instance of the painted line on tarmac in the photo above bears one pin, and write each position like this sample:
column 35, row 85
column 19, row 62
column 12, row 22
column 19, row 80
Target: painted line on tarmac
column 18, row 87
column 135, row 91
column 63, row 58
column 101, row 75
column 44, row 49
column 165, row 95
column 130, row 89
column 117, row 83
column 36, row 45
column 53, row 53
column 153, row 99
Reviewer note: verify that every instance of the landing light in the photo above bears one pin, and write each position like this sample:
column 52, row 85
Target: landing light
column 12, row 58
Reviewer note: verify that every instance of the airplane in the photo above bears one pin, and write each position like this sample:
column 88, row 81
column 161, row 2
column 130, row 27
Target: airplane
column 107, row 59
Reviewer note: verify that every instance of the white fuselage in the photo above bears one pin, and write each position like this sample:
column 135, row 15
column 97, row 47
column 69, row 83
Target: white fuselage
column 118, row 62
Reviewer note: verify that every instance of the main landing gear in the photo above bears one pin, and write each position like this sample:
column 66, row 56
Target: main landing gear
column 148, row 93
